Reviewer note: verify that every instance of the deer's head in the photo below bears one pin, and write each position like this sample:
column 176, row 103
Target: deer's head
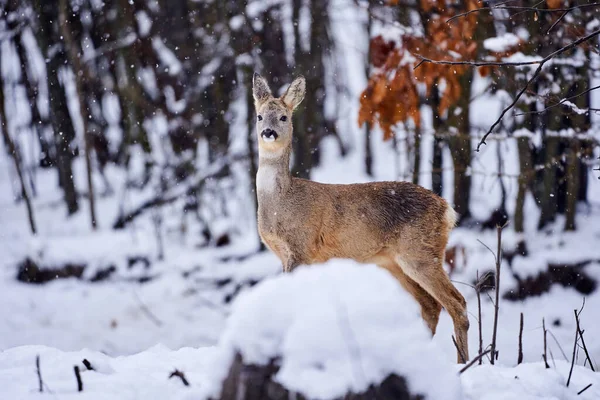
column 274, row 115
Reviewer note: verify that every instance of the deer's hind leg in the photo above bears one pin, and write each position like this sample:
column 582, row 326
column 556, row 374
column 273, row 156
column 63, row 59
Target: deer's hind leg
column 430, row 307
column 429, row 274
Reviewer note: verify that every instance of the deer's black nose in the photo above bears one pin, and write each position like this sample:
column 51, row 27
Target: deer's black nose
column 269, row 134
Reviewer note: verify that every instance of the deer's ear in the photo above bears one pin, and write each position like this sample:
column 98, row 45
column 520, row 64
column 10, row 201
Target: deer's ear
column 260, row 90
column 295, row 93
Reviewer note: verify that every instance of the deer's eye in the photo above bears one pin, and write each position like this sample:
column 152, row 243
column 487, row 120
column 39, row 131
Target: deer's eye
column 283, row 118
column 260, row 117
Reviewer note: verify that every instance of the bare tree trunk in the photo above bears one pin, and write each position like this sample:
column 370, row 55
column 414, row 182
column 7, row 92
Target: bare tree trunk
column 39, row 124
column 437, row 174
column 572, row 178
column 525, row 178
column 581, row 123
column 62, row 126
column 302, row 160
column 417, row 156
column 437, row 181
column 368, row 146
column 548, row 200
column 79, row 75
column 14, row 152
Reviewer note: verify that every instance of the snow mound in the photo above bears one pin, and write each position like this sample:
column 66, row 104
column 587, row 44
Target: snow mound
column 335, row 329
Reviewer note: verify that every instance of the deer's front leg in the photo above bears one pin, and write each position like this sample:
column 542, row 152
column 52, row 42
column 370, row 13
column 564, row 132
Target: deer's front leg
column 290, row 263
column 282, row 251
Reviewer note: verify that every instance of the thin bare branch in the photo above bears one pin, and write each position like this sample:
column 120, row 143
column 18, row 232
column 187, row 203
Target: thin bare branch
column 574, row 355
column 557, row 21
column 147, row 311
column 584, row 389
column 477, row 63
column 535, row 75
column 479, row 323
column 474, row 360
column 559, row 346
column 587, row 354
column 561, row 102
column 533, row 78
column 181, row 376
column 522, row 8
column 497, row 302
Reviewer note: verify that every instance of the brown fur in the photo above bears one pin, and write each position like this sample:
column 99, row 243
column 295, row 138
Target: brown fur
column 399, row 226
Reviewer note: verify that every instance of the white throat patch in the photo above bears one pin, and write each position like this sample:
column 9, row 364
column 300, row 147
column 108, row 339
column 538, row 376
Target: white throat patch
column 266, row 179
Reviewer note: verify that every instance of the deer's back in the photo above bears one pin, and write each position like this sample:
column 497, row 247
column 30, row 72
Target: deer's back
column 357, row 221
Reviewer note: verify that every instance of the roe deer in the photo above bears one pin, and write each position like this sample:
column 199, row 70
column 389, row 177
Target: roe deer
column 399, row 226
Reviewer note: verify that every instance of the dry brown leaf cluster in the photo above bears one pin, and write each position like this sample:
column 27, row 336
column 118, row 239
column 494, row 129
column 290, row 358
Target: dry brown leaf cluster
column 391, row 96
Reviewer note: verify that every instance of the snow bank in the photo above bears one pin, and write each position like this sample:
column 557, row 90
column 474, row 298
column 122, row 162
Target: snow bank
column 335, row 329
column 530, row 381
column 331, row 329
column 141, row 376
column 146, row 376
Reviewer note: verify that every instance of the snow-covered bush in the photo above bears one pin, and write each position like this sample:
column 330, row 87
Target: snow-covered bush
column 327, row 331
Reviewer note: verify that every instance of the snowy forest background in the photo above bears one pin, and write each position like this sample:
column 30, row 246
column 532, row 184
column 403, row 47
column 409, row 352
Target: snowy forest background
column 128, row 162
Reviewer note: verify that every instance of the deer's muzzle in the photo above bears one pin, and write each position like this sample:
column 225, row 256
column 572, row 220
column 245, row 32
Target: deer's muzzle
column 269, row 135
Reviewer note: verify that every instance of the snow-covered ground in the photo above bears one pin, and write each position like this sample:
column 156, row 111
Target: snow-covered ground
column 146, row 376
column 136, row 333
column 335, row 329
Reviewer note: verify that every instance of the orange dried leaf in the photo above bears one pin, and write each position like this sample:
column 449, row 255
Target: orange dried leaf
column 379, row 91
column 553, row 4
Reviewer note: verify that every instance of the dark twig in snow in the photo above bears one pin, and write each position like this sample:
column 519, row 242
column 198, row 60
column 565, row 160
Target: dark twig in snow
column 478, row 292
column 584, row 389
column 497, row 302
column 520, row 357
column 88, row 365
column 39, row 373
column 78, row 377
column 580, row 332
column 147, row 311
column 498, row 259
column 545, row 354
column 574, row 355
column 559, row 346
column 181, row 376
column 474, row 360
column 552, row 358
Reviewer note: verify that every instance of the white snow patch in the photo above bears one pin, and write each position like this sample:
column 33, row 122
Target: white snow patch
column 501, row 43
column 167, row 57
column 236, row 22
column 144, row 23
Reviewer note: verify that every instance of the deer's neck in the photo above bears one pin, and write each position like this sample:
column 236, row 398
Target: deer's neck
column 273, row 177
